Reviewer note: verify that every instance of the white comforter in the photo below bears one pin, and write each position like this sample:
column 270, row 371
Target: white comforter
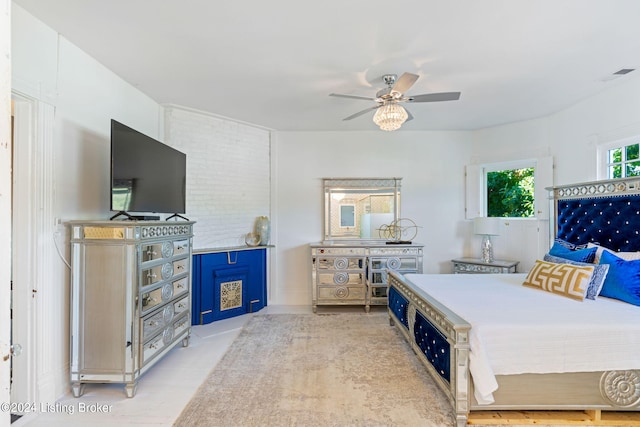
column 516, row 330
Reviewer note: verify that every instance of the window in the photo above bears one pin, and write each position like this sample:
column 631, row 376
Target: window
column 515, row 189
column 623, row 161
column 510, row 193
column 347, row 216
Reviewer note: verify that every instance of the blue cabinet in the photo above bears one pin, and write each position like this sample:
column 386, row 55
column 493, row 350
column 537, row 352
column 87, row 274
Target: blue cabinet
column 228, row 283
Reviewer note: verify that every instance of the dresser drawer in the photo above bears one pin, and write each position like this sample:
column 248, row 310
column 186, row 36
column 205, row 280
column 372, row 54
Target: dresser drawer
column 180, row 266
column 164, row 338
column 340, row 263
column 157, row 273
column 394, row 263
column 180, row 247
column 181, row 305
column 341, row 293
column 340, row 278
column 161, row 294
column 155, row 251
column 164, row 271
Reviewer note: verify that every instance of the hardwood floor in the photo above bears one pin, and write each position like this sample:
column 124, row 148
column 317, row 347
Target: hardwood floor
column 162, row 392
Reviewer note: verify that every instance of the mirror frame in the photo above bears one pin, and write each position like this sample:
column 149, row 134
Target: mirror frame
column 331, row 186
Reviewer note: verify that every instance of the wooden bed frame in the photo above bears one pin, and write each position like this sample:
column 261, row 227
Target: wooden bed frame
column 412, row 310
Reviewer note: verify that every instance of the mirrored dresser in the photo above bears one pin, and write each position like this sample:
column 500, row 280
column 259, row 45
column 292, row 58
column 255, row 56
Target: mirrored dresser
column 355, row 273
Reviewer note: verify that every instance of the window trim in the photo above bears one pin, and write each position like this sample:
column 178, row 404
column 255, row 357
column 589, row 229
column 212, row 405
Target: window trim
column 476, row 185
column 602, row 150
column 503, row 166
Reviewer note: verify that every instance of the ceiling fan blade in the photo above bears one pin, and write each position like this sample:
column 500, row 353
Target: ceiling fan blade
column 435, row 97
column 404, row 83
column 352, row 96
column 409, row 115
column 360, row 113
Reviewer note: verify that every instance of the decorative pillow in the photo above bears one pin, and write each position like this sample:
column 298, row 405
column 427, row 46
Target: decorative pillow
column 627, row 256
column 623, row 279
column 571, row 281
column 597, row 279
column 580, row 255
column 569, row 245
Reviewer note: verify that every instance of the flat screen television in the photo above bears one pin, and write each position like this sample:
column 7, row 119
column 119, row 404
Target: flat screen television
column 146, row 175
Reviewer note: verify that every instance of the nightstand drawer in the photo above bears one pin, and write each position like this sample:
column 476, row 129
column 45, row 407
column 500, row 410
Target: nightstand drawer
column 477, row 266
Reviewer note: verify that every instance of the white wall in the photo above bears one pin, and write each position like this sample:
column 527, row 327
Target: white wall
column 81, row 97
column 5, row 202
column 228, row 174
column 431, row 165
column 571, row 136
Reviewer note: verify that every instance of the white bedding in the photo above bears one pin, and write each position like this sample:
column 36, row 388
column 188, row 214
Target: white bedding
column 516, row 330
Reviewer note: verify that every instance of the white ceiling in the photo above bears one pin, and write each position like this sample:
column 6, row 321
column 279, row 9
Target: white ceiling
column 274, row 63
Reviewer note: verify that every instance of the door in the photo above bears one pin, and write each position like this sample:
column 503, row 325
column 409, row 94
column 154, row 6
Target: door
column 23, row 371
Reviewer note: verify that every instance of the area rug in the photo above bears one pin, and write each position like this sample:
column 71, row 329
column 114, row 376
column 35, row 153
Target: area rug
column 339, row 369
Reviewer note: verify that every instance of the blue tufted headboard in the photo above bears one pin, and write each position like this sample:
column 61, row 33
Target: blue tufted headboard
column 603, row 212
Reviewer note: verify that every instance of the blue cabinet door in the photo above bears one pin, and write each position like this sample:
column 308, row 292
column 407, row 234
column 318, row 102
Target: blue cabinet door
column 227, row 284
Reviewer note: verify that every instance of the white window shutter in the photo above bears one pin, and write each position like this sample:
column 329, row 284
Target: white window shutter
column 543, row 179
column 474, row 205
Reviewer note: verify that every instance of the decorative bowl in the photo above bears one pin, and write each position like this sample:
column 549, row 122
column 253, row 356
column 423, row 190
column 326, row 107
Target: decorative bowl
column 252, row 239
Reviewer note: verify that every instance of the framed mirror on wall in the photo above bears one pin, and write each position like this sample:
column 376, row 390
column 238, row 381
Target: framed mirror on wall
column 360, row 208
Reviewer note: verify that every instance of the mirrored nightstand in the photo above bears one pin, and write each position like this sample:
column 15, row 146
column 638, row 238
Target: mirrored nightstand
column 477, row 266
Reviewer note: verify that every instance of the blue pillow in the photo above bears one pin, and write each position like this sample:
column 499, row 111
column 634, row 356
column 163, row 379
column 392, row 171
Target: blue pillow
column 623, row 279
column 580, row 255
column 597, row 278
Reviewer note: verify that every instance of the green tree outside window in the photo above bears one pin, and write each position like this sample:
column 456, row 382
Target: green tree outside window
column 510, row 193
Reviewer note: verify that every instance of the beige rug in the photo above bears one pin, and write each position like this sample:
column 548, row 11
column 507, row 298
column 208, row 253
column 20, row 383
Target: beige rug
column 345, row 369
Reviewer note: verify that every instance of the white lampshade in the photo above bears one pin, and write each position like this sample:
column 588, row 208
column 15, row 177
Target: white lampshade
column 488, row 226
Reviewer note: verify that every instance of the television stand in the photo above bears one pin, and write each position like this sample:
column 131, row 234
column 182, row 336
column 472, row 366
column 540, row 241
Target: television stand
column 135, row 217
column 177, row 216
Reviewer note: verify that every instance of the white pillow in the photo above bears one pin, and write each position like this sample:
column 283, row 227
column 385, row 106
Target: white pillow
column 627, row 256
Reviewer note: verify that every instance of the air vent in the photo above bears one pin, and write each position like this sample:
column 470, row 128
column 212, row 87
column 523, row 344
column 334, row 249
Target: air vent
column 617, row 74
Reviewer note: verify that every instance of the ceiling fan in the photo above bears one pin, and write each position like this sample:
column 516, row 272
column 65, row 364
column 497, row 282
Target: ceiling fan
column 390, row 115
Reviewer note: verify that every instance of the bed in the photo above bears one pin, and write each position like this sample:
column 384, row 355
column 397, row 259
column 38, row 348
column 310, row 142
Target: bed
column 575, row 348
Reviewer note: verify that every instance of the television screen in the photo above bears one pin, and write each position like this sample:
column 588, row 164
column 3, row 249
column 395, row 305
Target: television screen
column 146, row 175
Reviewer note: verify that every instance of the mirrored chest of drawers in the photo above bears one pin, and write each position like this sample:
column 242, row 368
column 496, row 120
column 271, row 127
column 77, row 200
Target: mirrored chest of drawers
column 355, row 273
column 130, row 298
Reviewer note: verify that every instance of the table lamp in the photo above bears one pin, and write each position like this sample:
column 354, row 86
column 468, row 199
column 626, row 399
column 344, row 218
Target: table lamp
column 487, row 227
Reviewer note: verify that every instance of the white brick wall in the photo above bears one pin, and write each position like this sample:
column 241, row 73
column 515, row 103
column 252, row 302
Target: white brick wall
column 228, row 174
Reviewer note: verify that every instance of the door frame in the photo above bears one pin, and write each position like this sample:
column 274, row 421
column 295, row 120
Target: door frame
column 24, row 247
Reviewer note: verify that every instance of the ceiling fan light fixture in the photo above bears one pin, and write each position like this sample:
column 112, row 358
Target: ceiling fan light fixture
column 390, row 116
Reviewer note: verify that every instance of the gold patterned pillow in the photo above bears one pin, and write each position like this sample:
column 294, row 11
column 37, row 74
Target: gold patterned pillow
column 571, row 281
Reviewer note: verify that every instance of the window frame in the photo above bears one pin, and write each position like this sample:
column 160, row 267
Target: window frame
column 476, row 185
column 602, row 155
column 506, row 166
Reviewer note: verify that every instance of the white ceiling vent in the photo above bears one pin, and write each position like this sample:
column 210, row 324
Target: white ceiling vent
column 617, row 74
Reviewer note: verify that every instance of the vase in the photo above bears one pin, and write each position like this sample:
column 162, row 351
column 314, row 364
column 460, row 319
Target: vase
column 263, row 229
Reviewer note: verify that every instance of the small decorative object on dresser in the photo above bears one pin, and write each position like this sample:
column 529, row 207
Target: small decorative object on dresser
column 480, row 266
column 263, row 229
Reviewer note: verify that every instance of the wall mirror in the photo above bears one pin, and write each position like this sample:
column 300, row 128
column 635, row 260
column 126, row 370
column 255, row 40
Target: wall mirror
column 360, row 208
